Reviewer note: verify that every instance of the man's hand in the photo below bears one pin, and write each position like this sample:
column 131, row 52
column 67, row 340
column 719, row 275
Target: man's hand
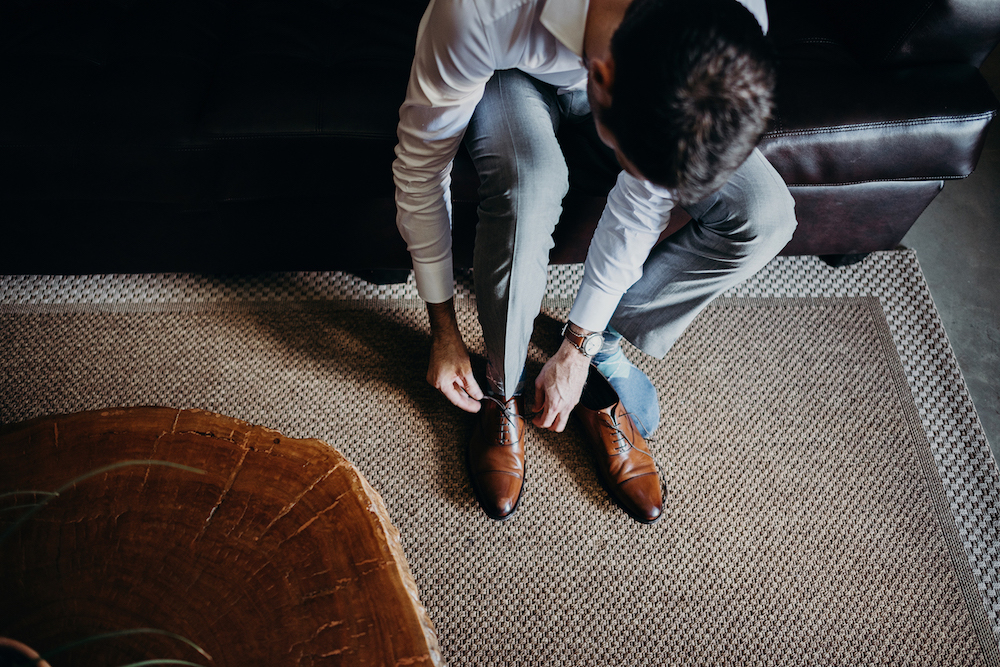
column 450, row 369
column 558, row 387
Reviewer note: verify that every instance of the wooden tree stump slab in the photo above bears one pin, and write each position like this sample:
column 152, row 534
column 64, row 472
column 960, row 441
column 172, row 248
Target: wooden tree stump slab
column 272, row 552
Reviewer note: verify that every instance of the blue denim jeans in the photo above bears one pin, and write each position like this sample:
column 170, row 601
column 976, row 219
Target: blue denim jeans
column 523, row 179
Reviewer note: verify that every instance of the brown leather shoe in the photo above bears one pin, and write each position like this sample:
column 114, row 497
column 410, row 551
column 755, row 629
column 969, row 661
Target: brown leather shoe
column 496, row 456
column 624, row 464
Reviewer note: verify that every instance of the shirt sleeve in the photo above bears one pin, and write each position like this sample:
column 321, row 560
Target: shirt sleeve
column 759, row 9
column 451, row 65
column 636, row 214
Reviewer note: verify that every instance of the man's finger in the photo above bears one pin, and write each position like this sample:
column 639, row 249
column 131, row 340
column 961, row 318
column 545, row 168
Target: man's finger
column 546, row 417
column 456, row 394
column 471, row 387
column 560, row 424
column 553, row 420
column 539, row 402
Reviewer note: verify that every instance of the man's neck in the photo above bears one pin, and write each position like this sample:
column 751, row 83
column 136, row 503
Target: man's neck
column 603, row 18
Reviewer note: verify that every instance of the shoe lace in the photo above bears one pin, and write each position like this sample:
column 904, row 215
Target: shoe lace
column 509, row 416
column 619, row 435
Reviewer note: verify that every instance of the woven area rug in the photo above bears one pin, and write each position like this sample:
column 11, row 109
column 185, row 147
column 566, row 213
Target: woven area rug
column 830, row 496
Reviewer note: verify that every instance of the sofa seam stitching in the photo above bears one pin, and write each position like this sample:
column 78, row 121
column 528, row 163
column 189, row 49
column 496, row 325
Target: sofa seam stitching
column 932, row 120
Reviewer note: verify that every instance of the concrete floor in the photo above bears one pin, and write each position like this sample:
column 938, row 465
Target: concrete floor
column 957, row 240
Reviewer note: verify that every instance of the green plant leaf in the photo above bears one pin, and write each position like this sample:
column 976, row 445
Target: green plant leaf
column 125, row 633
column 93, row 473
column 26, row 492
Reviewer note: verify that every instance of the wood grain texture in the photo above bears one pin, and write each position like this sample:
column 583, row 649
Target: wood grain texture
column 278, row 553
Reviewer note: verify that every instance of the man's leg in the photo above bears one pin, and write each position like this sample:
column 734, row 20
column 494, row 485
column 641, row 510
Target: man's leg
column 732, row 235
column 523, row 179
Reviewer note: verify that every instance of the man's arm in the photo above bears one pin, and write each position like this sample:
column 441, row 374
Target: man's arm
column 450, row 368
column 450, row 68
column 449, row 73
column 636, row 213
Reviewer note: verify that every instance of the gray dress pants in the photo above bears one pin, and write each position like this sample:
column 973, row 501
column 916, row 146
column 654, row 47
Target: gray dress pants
column 523, row 179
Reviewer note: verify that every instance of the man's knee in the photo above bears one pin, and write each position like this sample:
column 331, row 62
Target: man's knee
column 544, row 182
column 777, row 220
column 527, row 186
column 768, row 224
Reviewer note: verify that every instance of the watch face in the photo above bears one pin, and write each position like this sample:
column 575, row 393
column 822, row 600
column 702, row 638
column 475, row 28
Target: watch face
column 592, row 345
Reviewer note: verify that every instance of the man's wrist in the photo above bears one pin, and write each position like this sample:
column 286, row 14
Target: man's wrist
column 578, row 330
column 587, row 343
column 443, row 319
column 571, row 355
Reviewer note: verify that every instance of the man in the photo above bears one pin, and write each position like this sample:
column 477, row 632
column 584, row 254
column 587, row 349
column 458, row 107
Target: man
column 678, row 92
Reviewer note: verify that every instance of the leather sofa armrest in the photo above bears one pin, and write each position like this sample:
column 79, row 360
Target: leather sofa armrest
column 837, row 125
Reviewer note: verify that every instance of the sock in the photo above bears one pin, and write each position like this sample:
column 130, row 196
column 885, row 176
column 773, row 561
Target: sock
column 612, row 344
column 635, row 390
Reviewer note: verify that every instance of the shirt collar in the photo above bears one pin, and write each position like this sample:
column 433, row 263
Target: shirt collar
column 566, row 20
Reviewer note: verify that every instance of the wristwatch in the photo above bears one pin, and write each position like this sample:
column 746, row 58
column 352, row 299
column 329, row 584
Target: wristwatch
column 588, row 345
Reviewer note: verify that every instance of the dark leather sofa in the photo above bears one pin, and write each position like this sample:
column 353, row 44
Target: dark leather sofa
column 225, row 135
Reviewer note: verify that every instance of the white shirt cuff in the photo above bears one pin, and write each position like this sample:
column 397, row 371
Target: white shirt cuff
column 592, row 309
column 435, row 280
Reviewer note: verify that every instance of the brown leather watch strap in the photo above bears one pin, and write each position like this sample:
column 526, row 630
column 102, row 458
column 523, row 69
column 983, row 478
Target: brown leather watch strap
column 587, row 344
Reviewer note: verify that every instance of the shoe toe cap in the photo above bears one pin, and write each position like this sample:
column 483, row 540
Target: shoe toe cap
column 642, row 497
column 499, row 493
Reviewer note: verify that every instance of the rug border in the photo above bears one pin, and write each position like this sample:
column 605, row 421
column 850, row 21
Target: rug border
column 935, row 486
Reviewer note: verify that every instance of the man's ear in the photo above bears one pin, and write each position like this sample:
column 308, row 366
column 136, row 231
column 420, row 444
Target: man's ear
column 602, row 79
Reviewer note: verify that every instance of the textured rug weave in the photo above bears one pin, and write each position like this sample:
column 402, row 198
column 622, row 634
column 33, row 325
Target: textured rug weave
column 830, row 497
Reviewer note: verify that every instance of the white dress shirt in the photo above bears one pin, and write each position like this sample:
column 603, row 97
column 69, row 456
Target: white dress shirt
column 460, row 44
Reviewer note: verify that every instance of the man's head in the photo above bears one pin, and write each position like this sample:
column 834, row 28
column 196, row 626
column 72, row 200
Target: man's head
column 689, row 91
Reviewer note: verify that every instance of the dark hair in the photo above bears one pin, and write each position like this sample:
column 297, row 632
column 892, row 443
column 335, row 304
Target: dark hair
column 692, row 91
